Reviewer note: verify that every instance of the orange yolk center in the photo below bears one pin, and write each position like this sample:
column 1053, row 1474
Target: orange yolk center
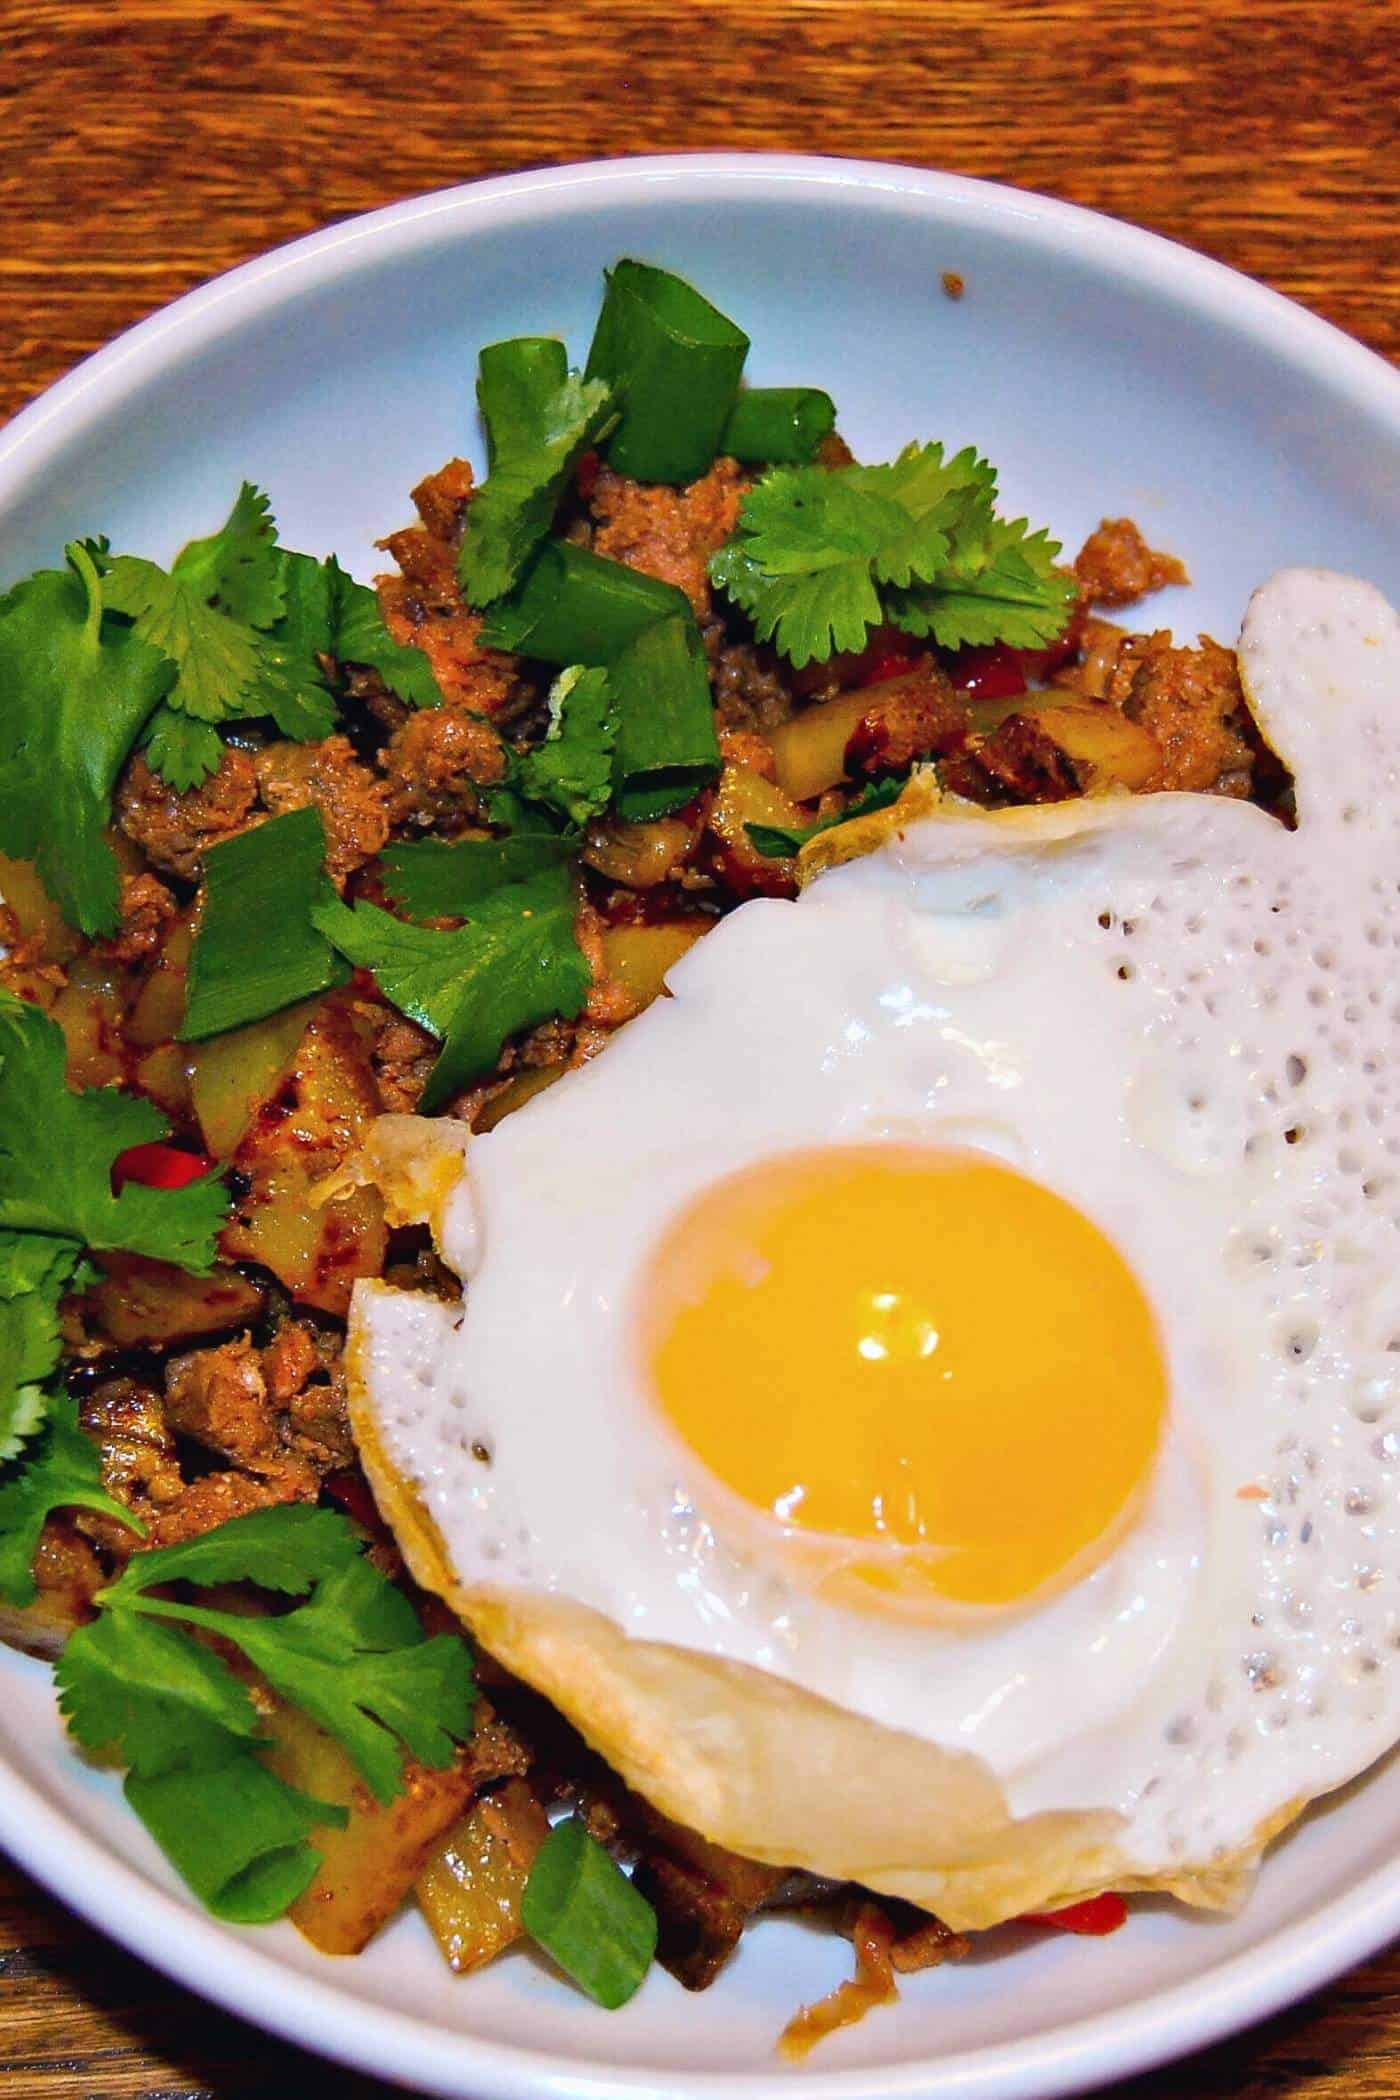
column 937, row 1368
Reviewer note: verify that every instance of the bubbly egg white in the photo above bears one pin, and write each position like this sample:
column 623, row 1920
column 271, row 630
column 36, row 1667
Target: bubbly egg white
column 1176, row 1013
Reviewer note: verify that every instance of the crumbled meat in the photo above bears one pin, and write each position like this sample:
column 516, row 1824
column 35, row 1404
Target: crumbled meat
column 436, row 764
column 305, row 1376
column 402, row 1057
column 1192, row 702
column 668, row 533
column 140, row 1467
column 67, row 1576
column 288, row 1361
column 219, row 1397
column 1024, row 761
column 750, row 691
column 216, row 1497
column 424, row 605
column 174, row 829
column 1115, row 566
column 147, row 908
column 922, row 1941
column 329, row 777
column 909, row 718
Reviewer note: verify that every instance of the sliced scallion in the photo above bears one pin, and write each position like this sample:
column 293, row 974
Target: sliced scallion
column 674, row 362
column 666, row 748
column 581, row 1908
column 256, row 949
column 573, row 607
column 516, row 380
column 778, row 426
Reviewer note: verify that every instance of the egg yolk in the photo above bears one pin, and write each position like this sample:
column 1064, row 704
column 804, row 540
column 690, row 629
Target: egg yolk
column 933, row 1364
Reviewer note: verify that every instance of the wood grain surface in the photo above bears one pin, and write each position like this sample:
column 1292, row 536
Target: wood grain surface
column 148, row 144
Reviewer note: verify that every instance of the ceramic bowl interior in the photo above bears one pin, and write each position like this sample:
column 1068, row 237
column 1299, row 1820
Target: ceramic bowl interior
column 1105, row 373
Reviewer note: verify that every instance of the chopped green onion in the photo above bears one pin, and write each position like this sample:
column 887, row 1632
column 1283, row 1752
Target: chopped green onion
column 431, row 880
column 778, row 426
column 573, row 607
column 581, row 1908
column 674, row 361
column 666, row 748
column 256, row 949
column 516, row 381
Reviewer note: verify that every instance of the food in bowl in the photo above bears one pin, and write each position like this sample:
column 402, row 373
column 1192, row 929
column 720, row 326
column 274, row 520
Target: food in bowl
column 931, row 1160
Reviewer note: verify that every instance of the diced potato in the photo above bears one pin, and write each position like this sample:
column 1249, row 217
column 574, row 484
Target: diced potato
column 89, row 1010
column 232, row 1075
column 640, row 855
column 470, row 1890
column 809, row 751
column 312, row 1122
column 1104, row 747
column 143, row 1304
column 518, row 1089
column 38, row 917
column 163, row 1074
column 639, row 956
column 744, row 797
column 368, row 1868
column 159, row 1006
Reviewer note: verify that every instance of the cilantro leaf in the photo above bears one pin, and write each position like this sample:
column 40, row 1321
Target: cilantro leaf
column 214, row 656
column 361, row 637
column 516, row 962
column 571, row 771
column 35, row 1270
column 181, row 750
column 290, row 683
column 239, row 567
column 430, row 879
column 535, row 447
column 146, row 1694
column 1000, row 585
column 289, row 1548
column 57, row 1148
column 76, row 689
column 256, row 950
column 775, row 843
column 819, row 558
column 62, row 1470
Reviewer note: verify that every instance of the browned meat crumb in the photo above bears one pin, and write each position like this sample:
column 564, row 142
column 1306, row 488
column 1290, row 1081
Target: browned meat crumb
column 745, row 747
column 1192, row 702
column 219, row 1397
column 435, row 766
column 174, row 829
column 140, row 1466
column 216, row 1497
column 668, row 533
column 909, row 718
column 327, row 776
column 953, row 284
column 1092, row 672
column 1115, row 566
column 147, row 908
column 1024, row 762
column 750, row 691
column 22, row 970
column 609, row 1002
column 424, row 605
column 402, row 1056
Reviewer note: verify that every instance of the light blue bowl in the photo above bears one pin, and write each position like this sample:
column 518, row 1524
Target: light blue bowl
column 1105, row 372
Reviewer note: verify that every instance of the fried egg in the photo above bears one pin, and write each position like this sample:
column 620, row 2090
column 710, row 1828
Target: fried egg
column 927, row 1398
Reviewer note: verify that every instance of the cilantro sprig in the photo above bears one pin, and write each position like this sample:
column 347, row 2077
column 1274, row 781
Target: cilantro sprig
column 140, row 1685
column 515, row 962
column 571, row 772
column 820, row 557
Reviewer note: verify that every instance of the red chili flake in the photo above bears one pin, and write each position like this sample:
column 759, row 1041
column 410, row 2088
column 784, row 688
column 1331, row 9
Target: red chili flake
column 989, row 671
column 1092, row 1919
column 157, row 1166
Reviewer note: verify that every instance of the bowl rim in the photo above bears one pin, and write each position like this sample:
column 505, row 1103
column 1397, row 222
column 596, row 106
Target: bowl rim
column 231, row 1968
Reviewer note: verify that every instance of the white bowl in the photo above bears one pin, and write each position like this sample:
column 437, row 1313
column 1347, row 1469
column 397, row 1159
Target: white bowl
column 1106, row 372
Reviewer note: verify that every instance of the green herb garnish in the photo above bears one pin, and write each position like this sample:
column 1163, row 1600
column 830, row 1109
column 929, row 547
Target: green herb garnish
column 514, row 964
column 353, row 1657
column 822, row 557
column 429, row 879
column 76, row 689
column 673, row 361
column 777, row 844
column 778, row 426
column 571, row 771
column 667, row 749
column 575, row 607
column 540, row 419
column 582, row 1909
column 61, row 1469
column 256, row 949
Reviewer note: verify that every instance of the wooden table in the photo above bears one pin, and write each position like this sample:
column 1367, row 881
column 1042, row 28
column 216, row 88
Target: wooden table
column 150, row 143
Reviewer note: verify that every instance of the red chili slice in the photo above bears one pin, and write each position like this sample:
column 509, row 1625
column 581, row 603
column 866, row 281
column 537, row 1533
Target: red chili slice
column 1093, row 1918
column 989, row 671
column 157, row 1166
column 586, row 474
